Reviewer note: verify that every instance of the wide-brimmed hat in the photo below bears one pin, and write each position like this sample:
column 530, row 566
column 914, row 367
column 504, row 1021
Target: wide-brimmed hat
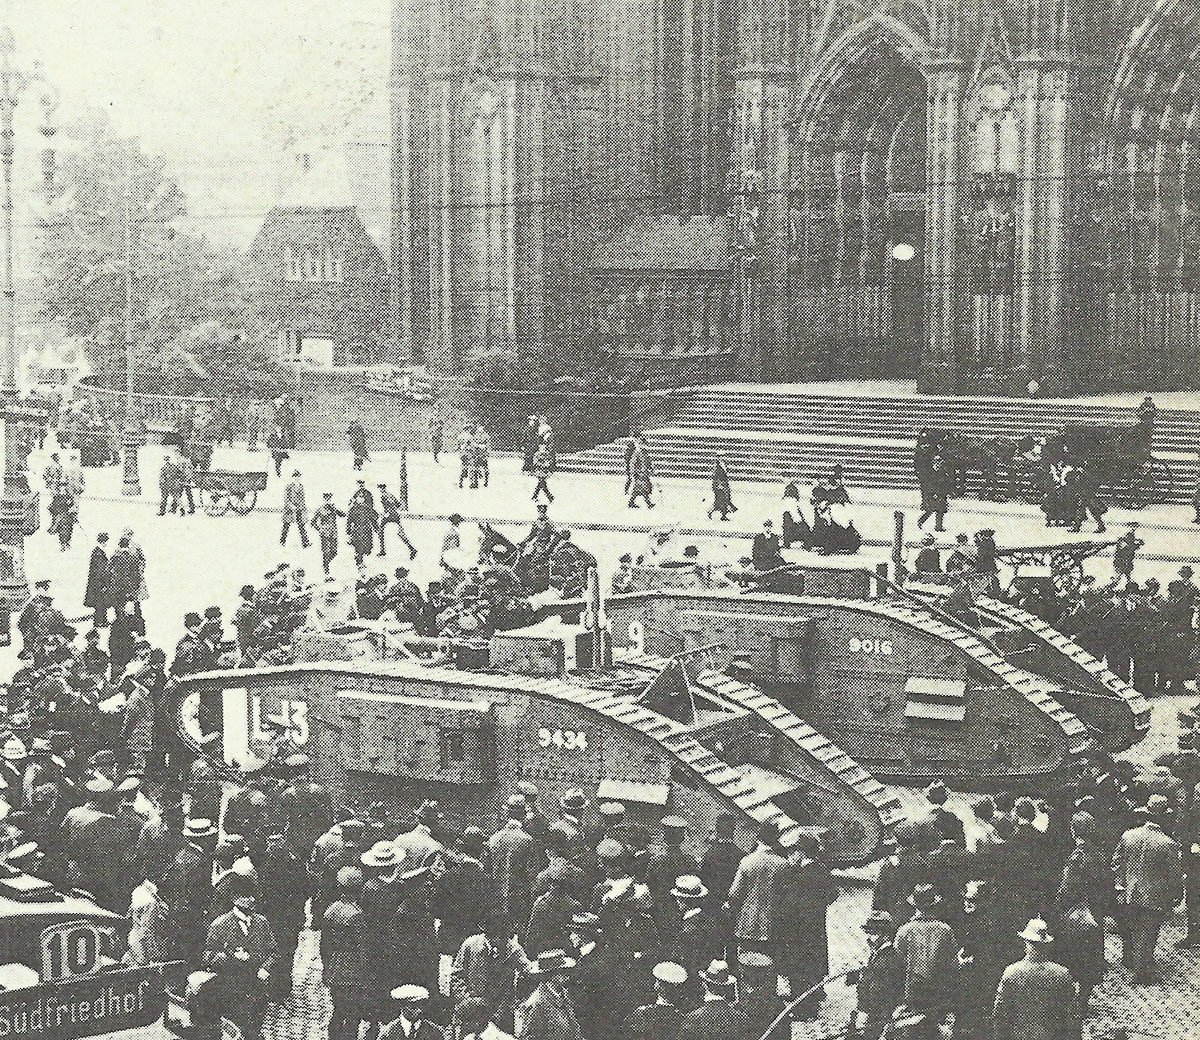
column 199, row 828
column 688, row 886
column 410, row 993
column 1037, row 931
column 382, row 854
column 717, row 974
column 551, row 961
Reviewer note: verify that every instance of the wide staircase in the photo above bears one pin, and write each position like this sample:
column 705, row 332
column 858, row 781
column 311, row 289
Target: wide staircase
column 769, row 433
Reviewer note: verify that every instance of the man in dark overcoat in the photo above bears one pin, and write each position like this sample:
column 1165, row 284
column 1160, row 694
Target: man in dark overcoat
column 95, row 593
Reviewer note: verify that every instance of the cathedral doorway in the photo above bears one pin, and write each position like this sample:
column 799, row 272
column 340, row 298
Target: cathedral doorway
column 858, row 213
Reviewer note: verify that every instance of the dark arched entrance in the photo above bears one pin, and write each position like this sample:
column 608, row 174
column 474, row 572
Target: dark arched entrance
column 856, row 268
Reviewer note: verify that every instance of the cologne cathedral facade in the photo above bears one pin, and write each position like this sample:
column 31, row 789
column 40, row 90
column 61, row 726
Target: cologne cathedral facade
column 976, row 194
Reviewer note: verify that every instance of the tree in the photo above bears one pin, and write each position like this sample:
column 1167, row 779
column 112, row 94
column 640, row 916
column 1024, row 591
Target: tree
column 185, row 289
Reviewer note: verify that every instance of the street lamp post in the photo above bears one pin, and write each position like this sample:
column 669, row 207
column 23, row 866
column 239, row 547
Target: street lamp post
column 18, row 505
column 132, row 436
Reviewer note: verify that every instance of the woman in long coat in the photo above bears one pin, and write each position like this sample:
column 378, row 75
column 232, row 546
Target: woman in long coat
column 722, row 492
column 362, row 521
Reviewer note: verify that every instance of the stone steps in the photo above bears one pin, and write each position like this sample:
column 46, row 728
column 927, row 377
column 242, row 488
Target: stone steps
column 768, row 434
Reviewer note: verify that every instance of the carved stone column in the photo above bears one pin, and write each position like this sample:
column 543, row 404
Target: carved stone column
column 939, row 366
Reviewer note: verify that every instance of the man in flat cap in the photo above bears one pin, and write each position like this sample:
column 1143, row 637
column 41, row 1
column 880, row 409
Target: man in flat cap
column 410, row 1023
column 240, row 949
column 881, row 981
column 663, row 1019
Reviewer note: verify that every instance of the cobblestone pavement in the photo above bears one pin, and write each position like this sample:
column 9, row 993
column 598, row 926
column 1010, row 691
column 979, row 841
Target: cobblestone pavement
column 1170, row 1011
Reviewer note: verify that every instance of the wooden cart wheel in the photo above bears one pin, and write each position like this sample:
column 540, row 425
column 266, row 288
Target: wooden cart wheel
column 1067, row 569
column 216, row 501
column 243, row 501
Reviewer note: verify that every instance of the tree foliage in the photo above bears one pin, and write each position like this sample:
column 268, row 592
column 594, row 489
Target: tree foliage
column 186, row 327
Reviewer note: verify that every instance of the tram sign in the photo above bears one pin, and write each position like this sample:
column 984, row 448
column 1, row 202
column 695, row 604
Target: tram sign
column 74, row 949
column 104, row 1002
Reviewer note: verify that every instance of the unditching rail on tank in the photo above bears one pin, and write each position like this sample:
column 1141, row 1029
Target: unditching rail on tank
column 1048, row 634
column 817, row 748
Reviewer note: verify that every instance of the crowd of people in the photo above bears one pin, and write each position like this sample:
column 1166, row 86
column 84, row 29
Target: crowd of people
column 1145, row 634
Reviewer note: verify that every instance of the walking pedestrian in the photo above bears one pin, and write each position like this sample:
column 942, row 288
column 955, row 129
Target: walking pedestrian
column 325, row 523
column 294, row 510
column 1124, row 553
column 390, row 512
column 437, row 437
column 722, row 493
column 481, row 447
column 362, row 523
column 255, row 417
column 641, row 472
column 531, row 439
column 170, row 484
column 541, row 471
column 466, row 457
column 277, row 446
column 358, row 443
column 935, row 492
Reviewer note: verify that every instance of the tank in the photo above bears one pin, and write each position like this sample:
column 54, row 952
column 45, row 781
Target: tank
column 662, row 735
column 906, row 689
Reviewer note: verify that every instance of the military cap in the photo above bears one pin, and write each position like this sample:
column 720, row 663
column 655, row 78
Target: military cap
column 671, row 973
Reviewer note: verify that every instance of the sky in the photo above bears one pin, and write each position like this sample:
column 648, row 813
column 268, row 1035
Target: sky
column 226, row 91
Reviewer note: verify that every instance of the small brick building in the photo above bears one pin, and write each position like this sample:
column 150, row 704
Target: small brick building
column 315, row 276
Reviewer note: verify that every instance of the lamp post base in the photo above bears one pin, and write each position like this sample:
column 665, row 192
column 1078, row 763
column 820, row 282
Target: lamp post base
column 131, row 441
